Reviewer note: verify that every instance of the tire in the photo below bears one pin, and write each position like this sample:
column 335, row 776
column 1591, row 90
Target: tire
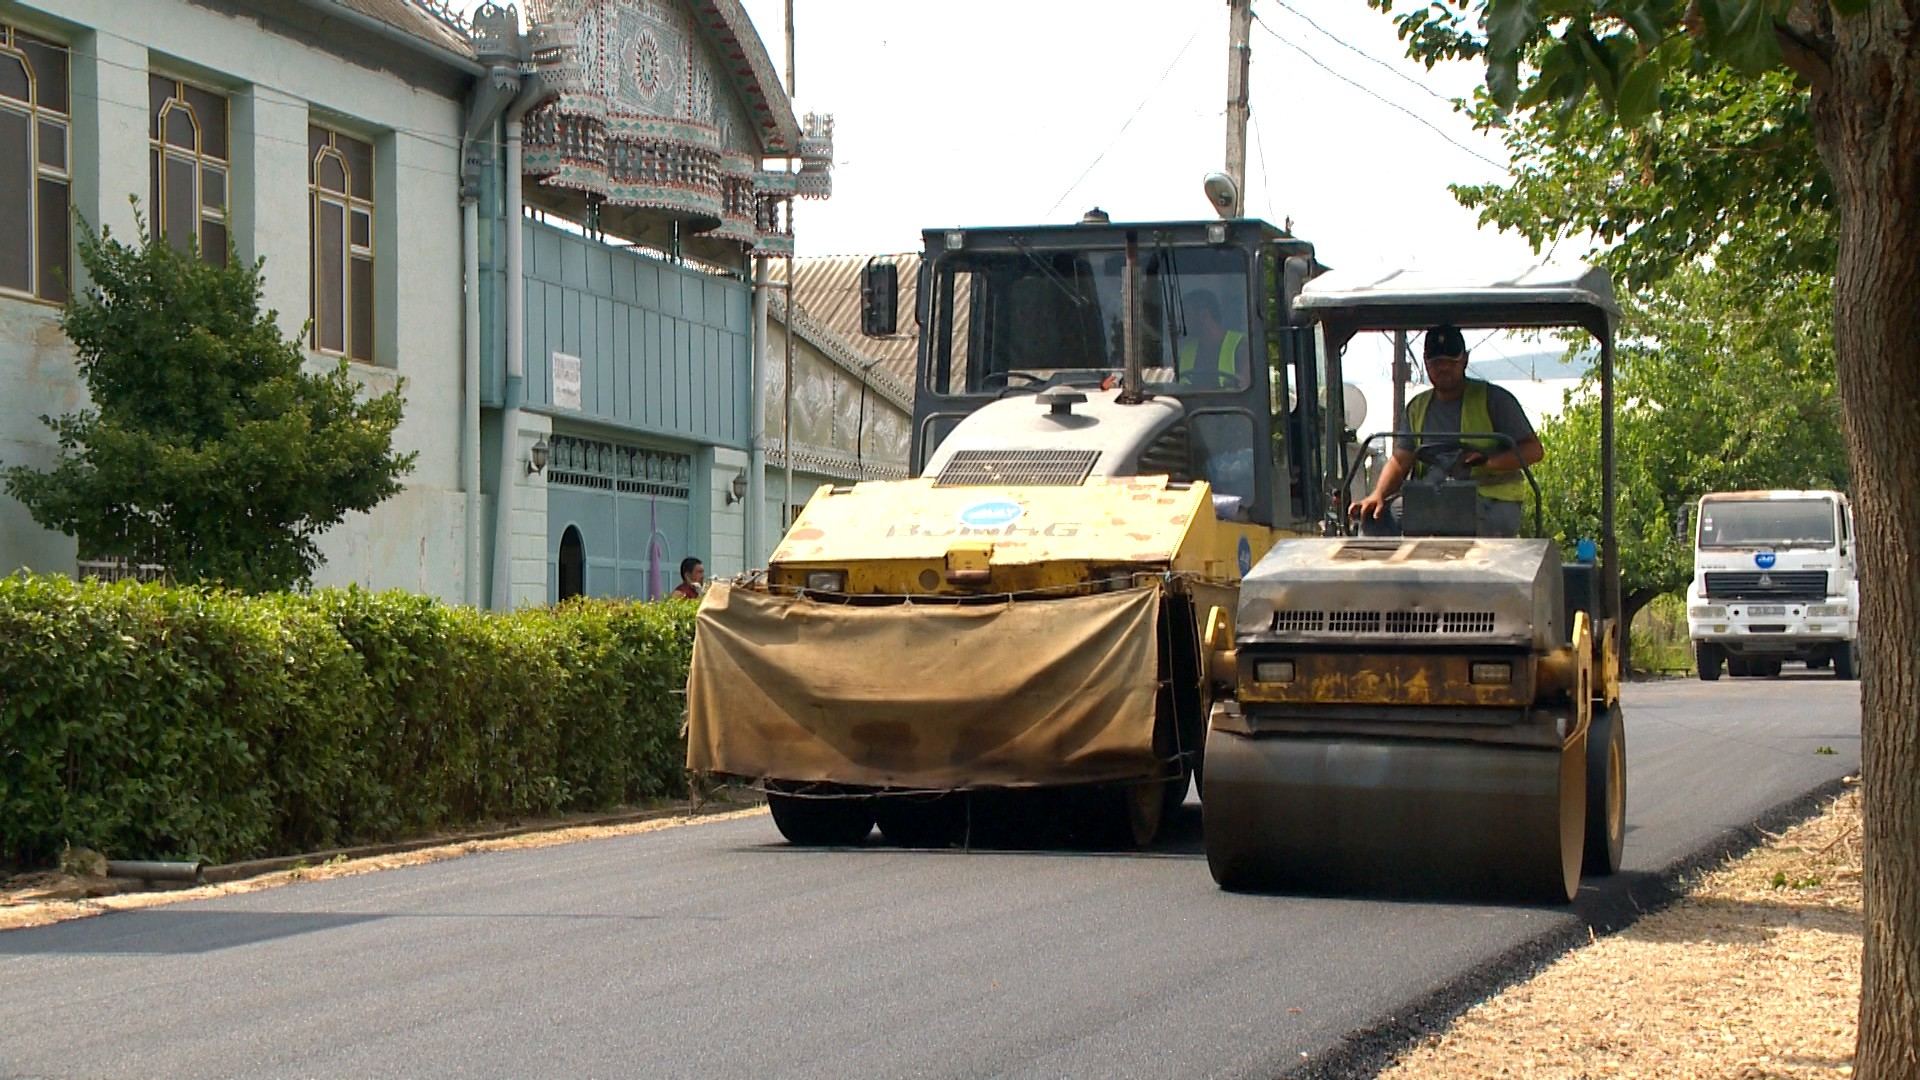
column 1767, row 669
column 1845, row 662
column 1606, row 793
column 1707, row 659
column 820, row 820
column 919, row 821
column 1739, row 668
column 1818, row 663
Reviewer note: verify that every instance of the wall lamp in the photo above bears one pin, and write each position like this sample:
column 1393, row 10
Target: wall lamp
column 537, row 457
column 737, row 490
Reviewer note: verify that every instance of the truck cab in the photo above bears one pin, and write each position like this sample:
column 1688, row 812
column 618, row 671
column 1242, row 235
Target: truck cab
column 1774, row 579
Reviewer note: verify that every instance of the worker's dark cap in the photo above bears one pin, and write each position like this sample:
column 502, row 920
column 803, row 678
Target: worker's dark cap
column 1444, row 340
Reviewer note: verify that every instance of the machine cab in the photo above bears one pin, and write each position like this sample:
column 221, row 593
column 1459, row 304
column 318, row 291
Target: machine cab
column 1052, row 310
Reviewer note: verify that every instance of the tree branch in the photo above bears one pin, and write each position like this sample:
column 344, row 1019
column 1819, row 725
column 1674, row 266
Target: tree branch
column 1806, row 55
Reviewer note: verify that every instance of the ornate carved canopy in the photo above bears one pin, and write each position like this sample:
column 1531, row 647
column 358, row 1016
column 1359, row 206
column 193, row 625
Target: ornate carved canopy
column 669, row 107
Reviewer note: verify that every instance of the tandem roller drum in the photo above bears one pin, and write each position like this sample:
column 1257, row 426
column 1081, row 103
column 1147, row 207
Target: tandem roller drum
column 1406, row 817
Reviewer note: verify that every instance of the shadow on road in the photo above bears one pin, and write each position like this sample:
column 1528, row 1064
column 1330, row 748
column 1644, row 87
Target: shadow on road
column 171, row 932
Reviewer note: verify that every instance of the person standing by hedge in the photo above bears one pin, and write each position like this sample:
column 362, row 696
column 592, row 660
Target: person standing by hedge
column 693, row 579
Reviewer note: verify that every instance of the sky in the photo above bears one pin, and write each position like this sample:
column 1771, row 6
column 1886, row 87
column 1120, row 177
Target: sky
column 1002, row 112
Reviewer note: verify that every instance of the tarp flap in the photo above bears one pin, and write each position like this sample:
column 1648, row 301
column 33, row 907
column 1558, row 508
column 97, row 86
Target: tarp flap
column 924, row 695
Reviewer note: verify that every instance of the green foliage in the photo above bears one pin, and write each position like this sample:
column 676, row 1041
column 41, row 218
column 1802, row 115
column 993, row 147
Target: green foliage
column 208, row 450
column 1713, row 393
column 150, row 721
column 1658, row 640
column 1656, row 197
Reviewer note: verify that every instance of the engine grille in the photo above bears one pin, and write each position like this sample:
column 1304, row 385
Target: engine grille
column 1003, row 468
column 1293, row 621
column 1767, row 585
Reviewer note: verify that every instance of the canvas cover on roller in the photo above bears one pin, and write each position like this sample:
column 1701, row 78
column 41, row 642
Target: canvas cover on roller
column 937, row 696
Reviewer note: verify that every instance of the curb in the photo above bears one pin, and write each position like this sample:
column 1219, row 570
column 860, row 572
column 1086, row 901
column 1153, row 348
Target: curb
column 237, row 871
column 1365, row 1052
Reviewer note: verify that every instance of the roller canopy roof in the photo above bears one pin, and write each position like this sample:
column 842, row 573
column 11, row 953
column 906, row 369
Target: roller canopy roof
column 1564, row 294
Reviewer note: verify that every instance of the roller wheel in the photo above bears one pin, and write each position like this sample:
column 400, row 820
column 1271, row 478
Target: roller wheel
column 916, row 821
column 820, row 821
column 1606, row 793
column 1845, row 662
column 1708, row 659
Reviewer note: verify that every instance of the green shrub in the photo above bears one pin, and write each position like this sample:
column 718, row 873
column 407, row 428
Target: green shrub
column 151, row 722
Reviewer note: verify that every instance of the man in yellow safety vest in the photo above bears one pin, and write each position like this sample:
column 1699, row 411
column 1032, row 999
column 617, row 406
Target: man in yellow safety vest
column 1457, row 405
column 1210, row 354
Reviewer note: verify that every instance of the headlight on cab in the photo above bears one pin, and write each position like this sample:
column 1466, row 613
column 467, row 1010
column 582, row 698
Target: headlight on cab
column 1273, row 671
column 1484, row 673
column 1708, row 611
column 1826, row 611
column 827, row 580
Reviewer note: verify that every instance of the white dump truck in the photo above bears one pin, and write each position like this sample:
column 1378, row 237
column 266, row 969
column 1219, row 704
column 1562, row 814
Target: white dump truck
column 1773, row 580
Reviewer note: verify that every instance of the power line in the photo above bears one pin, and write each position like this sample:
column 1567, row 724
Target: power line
column 1088, row 171
column 1363, row 54
column 1370, row 92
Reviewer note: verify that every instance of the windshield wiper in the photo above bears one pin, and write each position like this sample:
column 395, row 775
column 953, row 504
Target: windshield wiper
column 1066, row 287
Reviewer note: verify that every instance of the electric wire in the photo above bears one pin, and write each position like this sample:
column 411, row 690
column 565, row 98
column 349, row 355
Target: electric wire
column 1118, row 135
column 1367, row 56
column 1370, row 92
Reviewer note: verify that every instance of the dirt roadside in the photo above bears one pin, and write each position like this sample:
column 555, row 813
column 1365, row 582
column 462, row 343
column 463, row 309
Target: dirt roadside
column 1754, row 973
column 39, row 899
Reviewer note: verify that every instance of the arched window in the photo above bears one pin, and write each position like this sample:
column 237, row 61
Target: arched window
column 341, row 221
column 573, row 564
column 187, row 151
column 34, row 258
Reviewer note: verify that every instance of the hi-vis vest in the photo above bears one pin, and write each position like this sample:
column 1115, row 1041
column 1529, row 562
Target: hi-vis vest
column 1475, row 416
column 1229, row 345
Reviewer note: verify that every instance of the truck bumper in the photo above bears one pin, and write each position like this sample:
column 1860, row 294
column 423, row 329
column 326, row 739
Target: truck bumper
column 1793, row 634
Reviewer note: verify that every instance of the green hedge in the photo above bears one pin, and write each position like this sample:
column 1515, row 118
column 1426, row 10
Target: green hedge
column 157, row 722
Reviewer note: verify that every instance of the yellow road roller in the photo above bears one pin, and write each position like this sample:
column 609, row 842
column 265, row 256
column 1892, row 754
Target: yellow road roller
column 1437, row 711
column 1112, row 422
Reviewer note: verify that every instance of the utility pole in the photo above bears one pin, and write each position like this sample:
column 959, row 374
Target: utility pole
column 793, row 317
column 1239, row 53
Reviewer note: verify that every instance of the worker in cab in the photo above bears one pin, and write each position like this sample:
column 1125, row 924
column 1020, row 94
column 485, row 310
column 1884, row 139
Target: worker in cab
column 1212, row 355
column 1452, row 405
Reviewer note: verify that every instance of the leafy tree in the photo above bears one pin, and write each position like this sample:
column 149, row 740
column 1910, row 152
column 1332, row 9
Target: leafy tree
column 1858, row 64
column 207, row 450
column 1714, row 393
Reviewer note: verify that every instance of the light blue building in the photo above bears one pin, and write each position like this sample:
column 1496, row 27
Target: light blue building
column 547, row 228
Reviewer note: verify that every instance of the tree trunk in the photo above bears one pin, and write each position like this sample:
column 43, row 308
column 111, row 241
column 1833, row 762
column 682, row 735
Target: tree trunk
column 1630, row 604
column 1867, row 121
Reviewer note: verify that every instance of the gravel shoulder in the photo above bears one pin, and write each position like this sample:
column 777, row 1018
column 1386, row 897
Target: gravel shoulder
column 1754, row 973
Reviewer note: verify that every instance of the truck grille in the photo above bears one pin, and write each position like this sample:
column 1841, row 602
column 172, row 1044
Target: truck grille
column 1003, row 468
column 1292, row 621
column 1767, row 585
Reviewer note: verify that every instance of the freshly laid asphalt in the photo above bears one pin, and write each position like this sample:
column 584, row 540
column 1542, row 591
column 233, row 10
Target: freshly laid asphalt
column 718, row 951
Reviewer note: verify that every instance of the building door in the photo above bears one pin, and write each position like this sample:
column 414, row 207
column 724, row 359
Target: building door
column 573, row 565
column 635, row 504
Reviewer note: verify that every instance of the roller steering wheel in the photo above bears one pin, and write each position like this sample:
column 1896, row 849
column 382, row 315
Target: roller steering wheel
column 1028, row 377
column 1446, row 458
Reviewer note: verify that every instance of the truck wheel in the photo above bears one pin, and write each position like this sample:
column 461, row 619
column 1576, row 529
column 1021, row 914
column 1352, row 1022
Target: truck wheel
column 1845, row 666
column 1738, row 667
column 820, row 820
column 1707, row 659
column 1767, row 669
column 1819, row 663
column 1606, row 793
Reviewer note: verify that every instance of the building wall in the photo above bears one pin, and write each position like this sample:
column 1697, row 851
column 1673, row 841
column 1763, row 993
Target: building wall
column 277, row 85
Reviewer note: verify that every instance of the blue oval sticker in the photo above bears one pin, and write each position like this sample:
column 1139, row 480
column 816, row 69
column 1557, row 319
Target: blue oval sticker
column 992, row 514
column 1764, row 559
column 1246, row 556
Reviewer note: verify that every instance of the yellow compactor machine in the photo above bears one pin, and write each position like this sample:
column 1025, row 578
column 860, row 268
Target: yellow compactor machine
column 1112, row 422
column 1436, row 711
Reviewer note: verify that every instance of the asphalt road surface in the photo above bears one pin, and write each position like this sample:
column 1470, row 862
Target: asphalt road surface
column 717, row 951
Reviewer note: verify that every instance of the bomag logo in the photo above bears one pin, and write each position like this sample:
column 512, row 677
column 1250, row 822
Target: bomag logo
column 1055, row 529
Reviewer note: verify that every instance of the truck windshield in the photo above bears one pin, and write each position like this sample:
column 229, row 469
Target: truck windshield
column 1019, row 318
column 1766, row 523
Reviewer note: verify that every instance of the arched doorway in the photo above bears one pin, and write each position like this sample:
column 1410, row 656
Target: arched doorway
column 573, row 564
